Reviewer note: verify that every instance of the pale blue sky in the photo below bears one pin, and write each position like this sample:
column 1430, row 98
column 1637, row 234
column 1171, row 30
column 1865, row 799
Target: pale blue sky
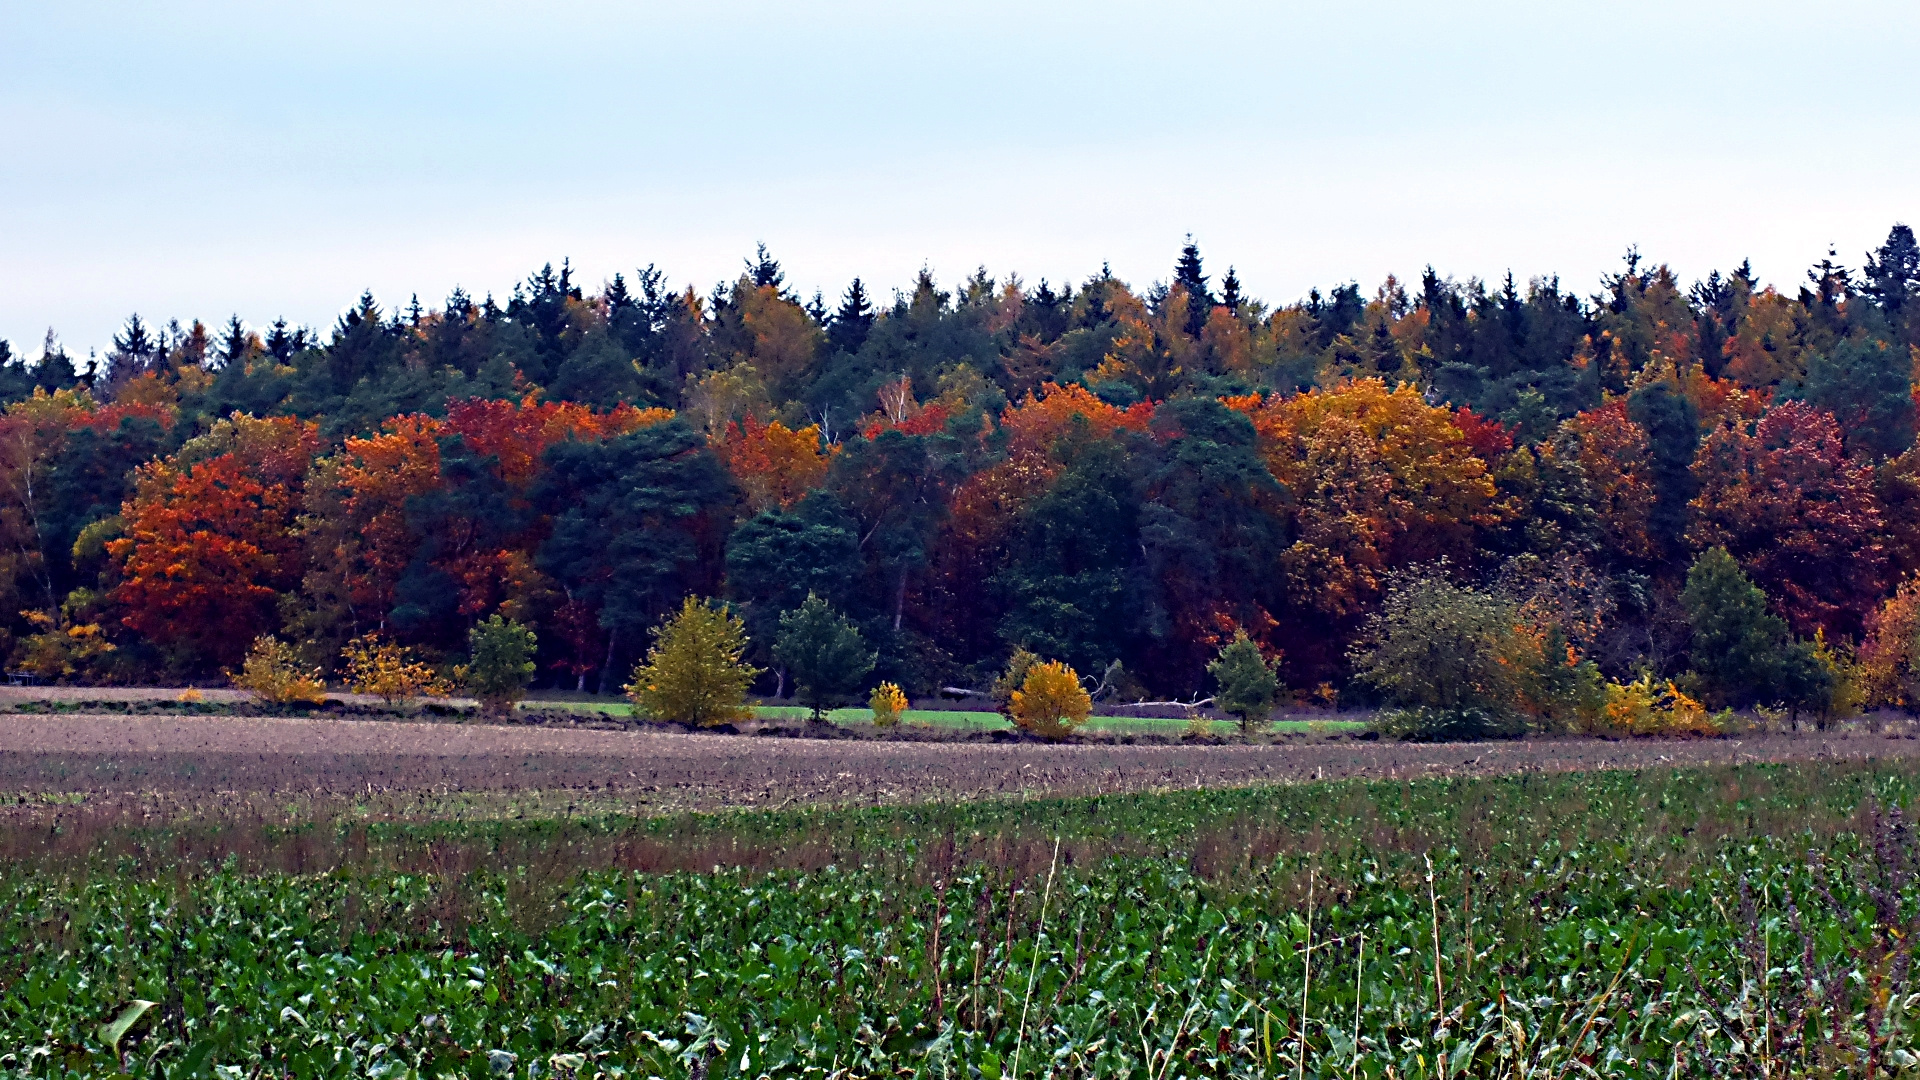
column 200, row 159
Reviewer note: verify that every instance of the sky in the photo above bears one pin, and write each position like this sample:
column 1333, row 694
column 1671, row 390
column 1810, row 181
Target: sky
column 196, row 160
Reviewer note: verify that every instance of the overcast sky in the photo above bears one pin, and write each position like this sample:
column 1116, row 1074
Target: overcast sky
column 190, row 160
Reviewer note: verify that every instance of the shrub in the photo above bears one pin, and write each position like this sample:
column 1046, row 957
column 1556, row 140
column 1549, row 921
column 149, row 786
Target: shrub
column 386, row 669
column 694, row 673
column 1247, row 680
column 825, row 654
column 500, row 663
column 1018, row 665
column 1051, row 703
column 1644, row 707
column 1455, row 723
column 887, row 703
column 272, row 673
column 63, row 644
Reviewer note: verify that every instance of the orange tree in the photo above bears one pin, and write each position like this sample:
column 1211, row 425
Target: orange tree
column 208, row 548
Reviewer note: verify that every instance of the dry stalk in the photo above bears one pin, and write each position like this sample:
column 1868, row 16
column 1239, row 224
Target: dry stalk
column 1034, row 972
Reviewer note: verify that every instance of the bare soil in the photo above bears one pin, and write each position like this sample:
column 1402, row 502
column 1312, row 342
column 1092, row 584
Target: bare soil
column 44, row 756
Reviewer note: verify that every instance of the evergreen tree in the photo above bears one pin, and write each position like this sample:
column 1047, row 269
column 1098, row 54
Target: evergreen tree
column 1892, row 278
column 765, row 272
column 1673, row 432
column 1867, row 387
column 823, row 652
column 1248, row 683
column 848, row 329
column 1230, row 292
column 1187, row 273
column 1738, row 645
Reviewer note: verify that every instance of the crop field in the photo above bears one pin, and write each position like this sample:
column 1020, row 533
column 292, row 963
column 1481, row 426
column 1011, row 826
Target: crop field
column 1644, row 909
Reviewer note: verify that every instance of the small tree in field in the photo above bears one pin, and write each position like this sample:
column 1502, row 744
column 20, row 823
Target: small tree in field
column 386, row 669
column 274, row 675
column 1248, row 682
column 694, row 673
column 1051, row 703
column 500, row 663
column 824, row 652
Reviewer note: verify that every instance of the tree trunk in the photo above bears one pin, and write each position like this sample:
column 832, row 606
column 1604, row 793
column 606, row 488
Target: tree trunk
column 606, row 669
column 900, row 599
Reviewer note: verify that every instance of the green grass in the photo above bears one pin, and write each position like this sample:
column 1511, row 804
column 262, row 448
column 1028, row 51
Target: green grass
column 972, row 720
column 1622, row 924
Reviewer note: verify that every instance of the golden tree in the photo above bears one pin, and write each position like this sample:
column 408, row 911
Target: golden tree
column 694, row 673
column 386, row 669
column 1051, row 703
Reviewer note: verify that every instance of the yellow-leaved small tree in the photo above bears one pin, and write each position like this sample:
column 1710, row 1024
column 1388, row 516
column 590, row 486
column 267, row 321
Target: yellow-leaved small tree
column 387, row 670
column 694, row 673
column 274, row 674
column 888, row 703
column 1051, row 703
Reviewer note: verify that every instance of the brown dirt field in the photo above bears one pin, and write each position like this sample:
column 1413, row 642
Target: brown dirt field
column 178, row 757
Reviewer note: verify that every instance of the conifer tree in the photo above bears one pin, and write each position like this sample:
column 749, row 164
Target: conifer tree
column 1248, row 683
column 825, row 654
column 1188, row 274
column 851, row 322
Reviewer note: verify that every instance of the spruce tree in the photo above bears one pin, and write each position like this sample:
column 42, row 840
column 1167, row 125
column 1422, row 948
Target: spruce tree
column 848, row 329
column 1230, row 292
column 1866, row 386
column 1187, row 273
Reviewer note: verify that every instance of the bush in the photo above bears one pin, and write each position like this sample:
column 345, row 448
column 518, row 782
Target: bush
column 387, row 670
column 1644, row 707
column 1012, row 678
column 273, row 674
column 1457, row 723
column 1444, row 648
column 694, row 673
column 887, row 703
column 1051, row 703
column 500, row 663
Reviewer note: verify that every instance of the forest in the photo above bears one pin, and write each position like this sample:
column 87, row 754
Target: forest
column 1125, row 479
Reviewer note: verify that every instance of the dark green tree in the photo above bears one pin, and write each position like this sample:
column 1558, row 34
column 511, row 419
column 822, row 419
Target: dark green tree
column 634, row 520
column 1738, row 645
column 1868, row 388
column 1188, row 274
column 1892, row 278
column 1673, row 433
column 1248, row 684
column 823, row 652
column 848, row 329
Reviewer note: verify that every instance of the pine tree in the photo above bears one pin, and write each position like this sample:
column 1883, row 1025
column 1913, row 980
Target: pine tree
column 1892, row 278
column 1230, row 292
column 1248, row 683
column 823, row 652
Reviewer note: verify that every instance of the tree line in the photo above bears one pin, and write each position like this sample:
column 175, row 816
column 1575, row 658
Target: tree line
column 1124, row 480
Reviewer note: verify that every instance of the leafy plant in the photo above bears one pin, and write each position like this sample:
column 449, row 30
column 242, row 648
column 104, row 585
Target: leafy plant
column 500, row 662
column 887, row 703
column 1051, row 703
column 694, row 673
column 273, row 673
